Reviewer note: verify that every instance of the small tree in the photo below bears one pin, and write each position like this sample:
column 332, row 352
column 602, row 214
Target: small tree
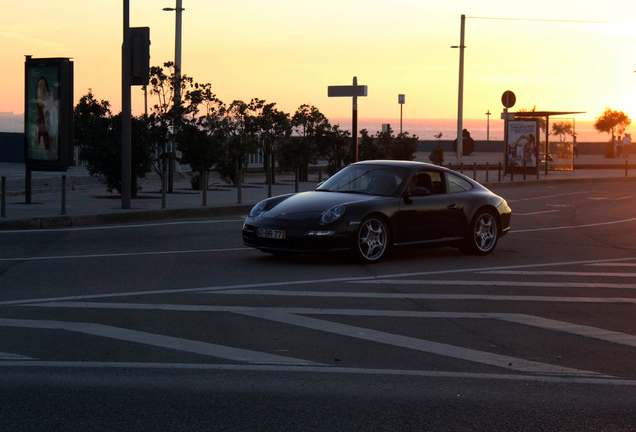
column 369, row 148
column 273, row 126
column 168, row 114
column 309, row 125
column 384, row 145
column 611, row 121
column 437, row 154
column 405, row 146
column 562, row 129
column 200, row 137
column 335, row 147
column 241, row 131
column 98, row 134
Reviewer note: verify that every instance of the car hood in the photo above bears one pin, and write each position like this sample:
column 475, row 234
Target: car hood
column 312, row 204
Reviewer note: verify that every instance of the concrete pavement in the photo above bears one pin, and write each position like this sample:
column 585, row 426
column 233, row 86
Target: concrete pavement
column 87, row 202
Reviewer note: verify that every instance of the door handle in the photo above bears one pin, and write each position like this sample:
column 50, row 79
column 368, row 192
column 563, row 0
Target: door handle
column 452, row 207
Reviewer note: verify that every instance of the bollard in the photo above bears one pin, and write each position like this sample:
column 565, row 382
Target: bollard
column 203, row 179
column 163, row 189
column 4, row 196
column 320, row 175
column 296, row 172
column 27, row 186
column 499, row 172
column 475, row 171
column 487, row 169
column 524, row 169
column 626, row 169
column 239, row 186
column 63, row 195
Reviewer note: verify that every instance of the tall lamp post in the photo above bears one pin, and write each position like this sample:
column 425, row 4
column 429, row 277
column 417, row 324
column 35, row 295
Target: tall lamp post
column 488, row 114
column 177, row 75
column 460, row 102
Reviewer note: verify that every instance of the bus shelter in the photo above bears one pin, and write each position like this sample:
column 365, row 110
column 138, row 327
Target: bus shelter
column 558, row 155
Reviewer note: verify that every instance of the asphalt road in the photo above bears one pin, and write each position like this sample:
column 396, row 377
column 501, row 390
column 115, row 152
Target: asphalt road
column 178, row 326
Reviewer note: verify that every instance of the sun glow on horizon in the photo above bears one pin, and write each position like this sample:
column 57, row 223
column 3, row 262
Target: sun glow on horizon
column 289, row 52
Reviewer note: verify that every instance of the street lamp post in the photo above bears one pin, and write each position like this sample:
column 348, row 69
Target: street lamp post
column 401, row 100
column 177, row 77
column 488, row 114
column 460, row 102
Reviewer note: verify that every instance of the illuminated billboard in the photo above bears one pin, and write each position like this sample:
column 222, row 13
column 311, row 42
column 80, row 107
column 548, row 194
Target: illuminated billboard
column 522, row 144
column 48, row 113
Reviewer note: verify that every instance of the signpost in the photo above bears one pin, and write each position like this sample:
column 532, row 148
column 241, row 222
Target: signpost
column 508, row 99
column 354, row 91
column 401, row 100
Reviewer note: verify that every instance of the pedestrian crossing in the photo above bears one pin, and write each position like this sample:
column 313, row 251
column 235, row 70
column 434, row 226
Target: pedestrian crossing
column 601, row 277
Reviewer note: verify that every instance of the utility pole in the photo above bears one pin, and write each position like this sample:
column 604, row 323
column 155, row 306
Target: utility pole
column 460, row 102
column 126, row 164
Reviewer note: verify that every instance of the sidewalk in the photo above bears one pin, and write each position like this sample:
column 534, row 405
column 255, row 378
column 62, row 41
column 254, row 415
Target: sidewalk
column 89, row 203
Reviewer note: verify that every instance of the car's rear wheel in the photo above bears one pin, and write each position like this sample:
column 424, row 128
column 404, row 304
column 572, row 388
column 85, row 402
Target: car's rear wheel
column 484, row 233
column 372, row 239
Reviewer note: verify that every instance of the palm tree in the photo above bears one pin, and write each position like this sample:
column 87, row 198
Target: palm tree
column 562, row 129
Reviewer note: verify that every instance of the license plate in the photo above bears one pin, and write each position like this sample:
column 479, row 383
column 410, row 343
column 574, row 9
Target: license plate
column 272, row 234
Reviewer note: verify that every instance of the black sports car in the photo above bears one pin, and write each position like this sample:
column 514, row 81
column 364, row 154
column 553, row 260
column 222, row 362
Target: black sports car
column 369, row 207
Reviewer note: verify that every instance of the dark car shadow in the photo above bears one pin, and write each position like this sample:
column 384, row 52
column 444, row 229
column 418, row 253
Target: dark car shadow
column 398, row 255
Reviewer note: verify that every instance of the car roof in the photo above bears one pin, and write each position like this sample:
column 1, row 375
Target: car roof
column 399, row 163
column 414, row 165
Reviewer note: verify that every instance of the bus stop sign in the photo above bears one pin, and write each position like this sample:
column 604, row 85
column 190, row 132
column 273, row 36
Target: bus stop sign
column 508, row 99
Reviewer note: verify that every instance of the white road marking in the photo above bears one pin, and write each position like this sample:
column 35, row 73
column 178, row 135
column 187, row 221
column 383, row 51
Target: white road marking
column 111, row 227
column 537, row 213
column 613, row 265
column 309, row 281
column 321, row 370
column 116, row 255
column 11, row 356
column 547, row 196
column 482, row 357
column 179, row 344
column 575, row 226
column 610, row 199
column 560, row 273
column 489, row 283
column 300, row 317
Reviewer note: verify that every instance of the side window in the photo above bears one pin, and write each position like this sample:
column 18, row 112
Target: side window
column 457, row 184
column 438, row 186
column 431, row 180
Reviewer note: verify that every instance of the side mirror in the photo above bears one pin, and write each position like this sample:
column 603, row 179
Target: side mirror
column 419, row 191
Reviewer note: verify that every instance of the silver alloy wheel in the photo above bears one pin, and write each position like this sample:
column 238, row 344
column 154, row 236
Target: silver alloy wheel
column 484, row 233
column 373, row 239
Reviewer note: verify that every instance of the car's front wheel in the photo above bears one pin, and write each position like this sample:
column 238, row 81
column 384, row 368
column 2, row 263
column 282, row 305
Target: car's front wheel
column 484, row 233
column 372, row 239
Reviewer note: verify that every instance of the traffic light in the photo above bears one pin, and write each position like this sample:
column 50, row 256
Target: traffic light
column 140, row 55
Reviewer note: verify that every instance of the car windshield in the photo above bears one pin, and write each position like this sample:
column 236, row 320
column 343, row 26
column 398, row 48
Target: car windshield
column 365, row 179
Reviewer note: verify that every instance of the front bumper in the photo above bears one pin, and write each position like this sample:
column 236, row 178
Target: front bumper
column 297, row 240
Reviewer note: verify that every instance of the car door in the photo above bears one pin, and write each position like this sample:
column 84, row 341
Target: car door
column 431, row 217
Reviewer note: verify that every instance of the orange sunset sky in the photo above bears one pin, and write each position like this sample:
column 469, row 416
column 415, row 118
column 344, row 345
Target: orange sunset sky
column 555, row 55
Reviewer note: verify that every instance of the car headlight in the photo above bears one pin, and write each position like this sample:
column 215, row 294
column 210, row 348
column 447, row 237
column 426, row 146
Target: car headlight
column 333, row 214
column 258, row 209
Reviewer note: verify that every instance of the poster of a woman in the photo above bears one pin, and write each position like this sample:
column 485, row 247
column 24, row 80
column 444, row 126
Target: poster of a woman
column 42, row 113
column 522, row 145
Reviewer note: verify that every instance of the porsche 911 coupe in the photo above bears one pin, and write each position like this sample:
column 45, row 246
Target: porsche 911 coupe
column 370, row 207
